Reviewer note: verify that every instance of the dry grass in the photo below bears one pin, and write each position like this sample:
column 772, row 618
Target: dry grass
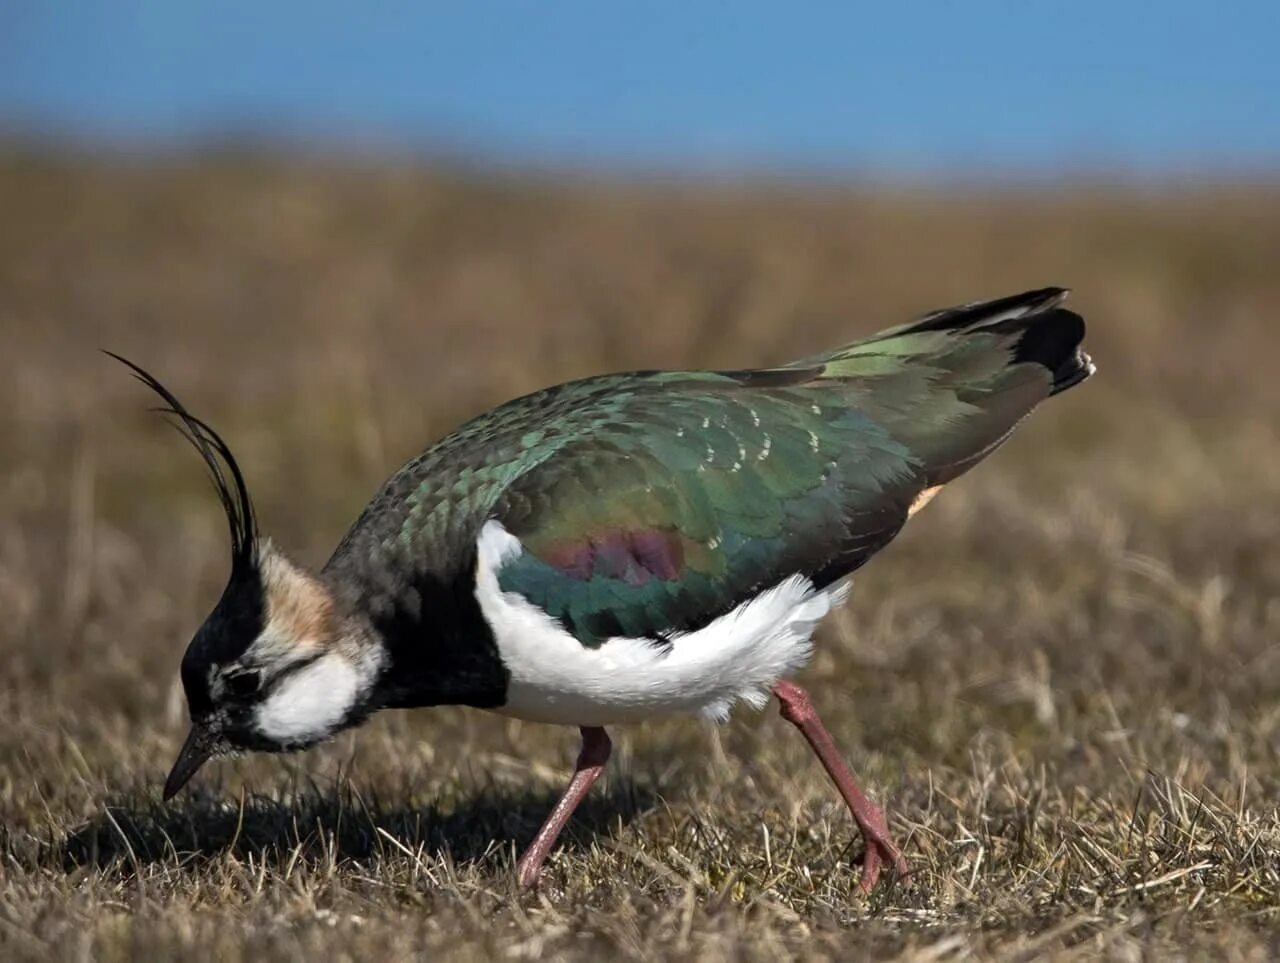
column 1062, row 680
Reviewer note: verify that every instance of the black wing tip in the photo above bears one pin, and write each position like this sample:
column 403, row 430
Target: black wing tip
column 1028, row 303
column 981, row 314
column 1053, row 293
column 1031, row 302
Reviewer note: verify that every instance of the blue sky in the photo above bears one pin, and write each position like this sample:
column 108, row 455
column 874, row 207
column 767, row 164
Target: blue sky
column 911, row 88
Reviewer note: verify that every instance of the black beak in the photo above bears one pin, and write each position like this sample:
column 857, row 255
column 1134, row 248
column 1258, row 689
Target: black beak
column 194, row 754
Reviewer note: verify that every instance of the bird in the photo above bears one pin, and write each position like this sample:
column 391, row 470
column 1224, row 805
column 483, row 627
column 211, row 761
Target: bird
column 617, row 548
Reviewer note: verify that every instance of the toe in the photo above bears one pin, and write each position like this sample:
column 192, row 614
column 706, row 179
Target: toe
column 870, row 869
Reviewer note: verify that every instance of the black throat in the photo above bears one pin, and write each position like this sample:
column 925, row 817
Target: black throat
column 439, row 648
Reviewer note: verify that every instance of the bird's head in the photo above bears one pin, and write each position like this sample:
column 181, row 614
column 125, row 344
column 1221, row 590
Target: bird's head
column 274, row 667
column 277, row 665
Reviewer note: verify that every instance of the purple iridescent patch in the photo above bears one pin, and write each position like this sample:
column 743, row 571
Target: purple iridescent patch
column 633, row 557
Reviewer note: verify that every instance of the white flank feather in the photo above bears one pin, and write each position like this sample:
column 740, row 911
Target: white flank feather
column 555, row 678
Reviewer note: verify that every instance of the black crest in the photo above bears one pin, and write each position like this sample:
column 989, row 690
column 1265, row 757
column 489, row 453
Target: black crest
column 232, row 491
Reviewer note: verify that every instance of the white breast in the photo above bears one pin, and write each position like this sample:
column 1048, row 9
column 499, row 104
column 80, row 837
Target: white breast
column 555, row 678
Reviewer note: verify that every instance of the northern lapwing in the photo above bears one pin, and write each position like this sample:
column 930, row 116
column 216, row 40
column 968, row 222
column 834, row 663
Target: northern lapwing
column 617, row 548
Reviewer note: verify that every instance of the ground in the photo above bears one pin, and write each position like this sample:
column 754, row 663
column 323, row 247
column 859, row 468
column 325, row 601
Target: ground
column 1061, row 681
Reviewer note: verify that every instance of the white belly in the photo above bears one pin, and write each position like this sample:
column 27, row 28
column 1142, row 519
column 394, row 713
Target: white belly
column 555, row 678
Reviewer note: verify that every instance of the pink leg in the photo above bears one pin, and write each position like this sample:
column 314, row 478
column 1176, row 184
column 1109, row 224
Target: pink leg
column 798, row 709
column 591, row 761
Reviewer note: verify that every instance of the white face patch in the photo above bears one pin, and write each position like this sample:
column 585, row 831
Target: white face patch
column 312, row 703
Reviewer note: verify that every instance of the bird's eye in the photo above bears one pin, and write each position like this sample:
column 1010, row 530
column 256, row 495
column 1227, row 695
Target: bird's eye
column 243, row 684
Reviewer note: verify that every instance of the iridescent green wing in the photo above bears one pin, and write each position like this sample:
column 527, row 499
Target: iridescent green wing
column 703, row 491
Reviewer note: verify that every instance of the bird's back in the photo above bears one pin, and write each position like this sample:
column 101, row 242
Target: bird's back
column 651, row 502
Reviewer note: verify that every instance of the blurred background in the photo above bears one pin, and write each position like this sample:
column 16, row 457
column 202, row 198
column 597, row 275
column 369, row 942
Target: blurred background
column 337, row 232
column 982, row 91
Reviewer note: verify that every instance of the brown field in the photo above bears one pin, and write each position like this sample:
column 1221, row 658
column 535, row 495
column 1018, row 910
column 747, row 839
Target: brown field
column 1063, row 679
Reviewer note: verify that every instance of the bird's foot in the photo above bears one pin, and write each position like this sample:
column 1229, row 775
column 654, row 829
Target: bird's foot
column 529, row 869
column 797, row 708
column 880, row 851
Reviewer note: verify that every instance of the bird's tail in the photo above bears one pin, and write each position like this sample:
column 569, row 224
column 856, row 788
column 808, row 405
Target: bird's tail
column 1047, row 334
column 1028, row 327
column 1031, row 327
column 953, row 384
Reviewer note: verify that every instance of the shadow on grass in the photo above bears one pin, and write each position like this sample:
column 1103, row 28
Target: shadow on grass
column 335, row 824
